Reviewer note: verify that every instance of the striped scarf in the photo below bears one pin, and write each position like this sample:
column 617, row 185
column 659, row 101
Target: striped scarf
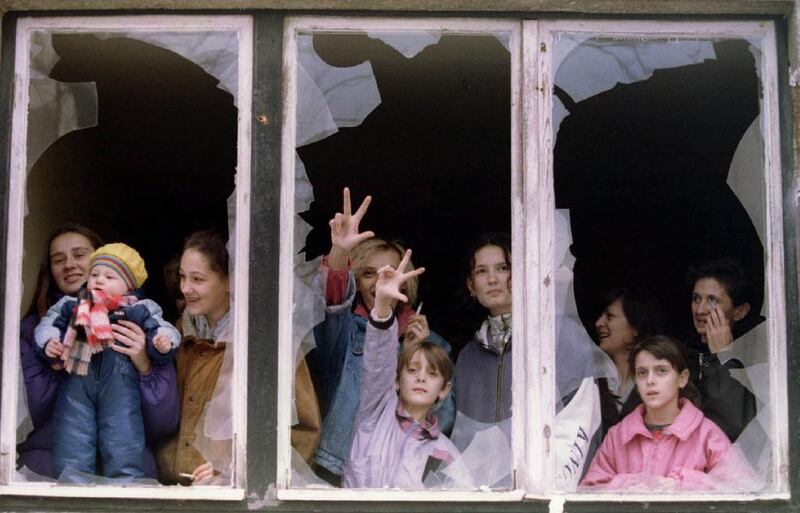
column 89, row 329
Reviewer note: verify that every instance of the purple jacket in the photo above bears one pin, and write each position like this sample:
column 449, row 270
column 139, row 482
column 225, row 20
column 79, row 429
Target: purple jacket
column 389, row 448
column 160, row 405
column 692, row 451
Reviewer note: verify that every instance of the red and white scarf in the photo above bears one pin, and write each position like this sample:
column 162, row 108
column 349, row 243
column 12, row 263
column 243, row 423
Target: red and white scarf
column 91, row 315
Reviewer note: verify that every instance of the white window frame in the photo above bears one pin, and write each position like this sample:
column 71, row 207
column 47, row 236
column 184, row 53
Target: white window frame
column 293, row 27
column 243, row 25
column 539, row 162
column 533, row 232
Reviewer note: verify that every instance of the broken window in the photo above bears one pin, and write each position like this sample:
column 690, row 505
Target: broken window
column 659, row 168
column 134, row 134
column 421, row 121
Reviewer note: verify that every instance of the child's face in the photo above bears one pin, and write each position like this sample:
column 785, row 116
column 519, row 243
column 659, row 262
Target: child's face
column 420, row 385
column 490, row 280
column 710, row 294
column 614, row 332
column 206, row 291
column 368, row 275
column 104, row 278
column 69, row 261
column 658, row 382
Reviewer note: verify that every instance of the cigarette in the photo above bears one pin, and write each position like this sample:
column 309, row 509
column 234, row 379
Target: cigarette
column 187, row 476
column 419, row 308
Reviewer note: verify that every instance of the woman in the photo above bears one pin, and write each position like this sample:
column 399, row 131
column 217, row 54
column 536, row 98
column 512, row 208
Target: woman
column 201, row 452
column 65, row 267
column 483, row 369
column 483, row 372
column 630, row 315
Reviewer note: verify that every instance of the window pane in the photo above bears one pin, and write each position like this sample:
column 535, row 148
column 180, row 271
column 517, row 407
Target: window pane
column 421, row 122
column 661, row 230
column 133, row 135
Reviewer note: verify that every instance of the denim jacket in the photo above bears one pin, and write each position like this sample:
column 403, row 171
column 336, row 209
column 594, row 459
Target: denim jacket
column 336, row 364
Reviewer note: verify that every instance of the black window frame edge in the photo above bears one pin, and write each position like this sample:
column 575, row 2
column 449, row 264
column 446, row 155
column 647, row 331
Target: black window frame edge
column 262, row 386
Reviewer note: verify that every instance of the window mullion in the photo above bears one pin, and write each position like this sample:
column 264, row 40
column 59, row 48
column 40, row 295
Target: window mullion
column 264, row 301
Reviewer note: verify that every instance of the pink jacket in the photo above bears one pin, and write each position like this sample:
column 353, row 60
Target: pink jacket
column 692, row 452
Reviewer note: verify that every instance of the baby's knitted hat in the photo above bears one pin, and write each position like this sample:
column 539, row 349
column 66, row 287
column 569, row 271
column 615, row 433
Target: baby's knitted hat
column 124, row 260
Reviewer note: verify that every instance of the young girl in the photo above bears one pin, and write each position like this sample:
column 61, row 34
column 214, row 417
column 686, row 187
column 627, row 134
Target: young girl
column 483, row 369
column 666, row 443
column 396, row 435
column 99, row 406
column 337, row 360
column 201, row 452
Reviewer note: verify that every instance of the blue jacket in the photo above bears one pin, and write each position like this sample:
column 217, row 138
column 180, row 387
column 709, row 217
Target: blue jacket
column 145, row 313
column 336, row 363
column 159, row 394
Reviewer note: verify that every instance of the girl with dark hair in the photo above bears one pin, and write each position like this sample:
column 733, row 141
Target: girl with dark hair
column 205, row 368
column 666, row 443
column 64, row 269
column 201, row 453
column 629, row 316
column 483, row 371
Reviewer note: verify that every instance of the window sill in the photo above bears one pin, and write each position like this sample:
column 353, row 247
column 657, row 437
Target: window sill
column 215, row 493
column 671, row 497
column 400, row 495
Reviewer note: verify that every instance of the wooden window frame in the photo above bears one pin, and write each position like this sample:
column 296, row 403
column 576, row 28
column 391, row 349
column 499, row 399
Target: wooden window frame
column 266, row 331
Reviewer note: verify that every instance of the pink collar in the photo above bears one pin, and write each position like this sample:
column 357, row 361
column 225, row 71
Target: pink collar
column 687, row 421
column 427, row 429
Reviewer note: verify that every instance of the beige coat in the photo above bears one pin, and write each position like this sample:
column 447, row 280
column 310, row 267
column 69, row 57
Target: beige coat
column 199, row 364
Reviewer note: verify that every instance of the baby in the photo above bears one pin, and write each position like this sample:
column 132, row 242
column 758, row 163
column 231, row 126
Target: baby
column 98, row 407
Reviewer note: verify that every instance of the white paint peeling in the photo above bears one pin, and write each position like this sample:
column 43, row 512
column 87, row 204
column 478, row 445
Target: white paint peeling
column 556, row 504
column 269, row 500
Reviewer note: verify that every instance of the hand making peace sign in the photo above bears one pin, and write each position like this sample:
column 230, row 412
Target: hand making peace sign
column 390, row 281
column 344, row 231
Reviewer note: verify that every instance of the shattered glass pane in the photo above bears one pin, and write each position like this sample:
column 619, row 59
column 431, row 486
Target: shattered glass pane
column 420, row 121
column 134, row 135
column 658, row 167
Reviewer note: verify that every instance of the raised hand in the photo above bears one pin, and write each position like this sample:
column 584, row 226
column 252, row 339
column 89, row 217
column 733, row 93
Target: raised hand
column 718, row 330
column 390, row 281
column 344, row 231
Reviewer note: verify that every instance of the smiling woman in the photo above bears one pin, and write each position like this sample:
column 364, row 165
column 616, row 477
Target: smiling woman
column 204, row 284
column 630, row 315
column 69, row 261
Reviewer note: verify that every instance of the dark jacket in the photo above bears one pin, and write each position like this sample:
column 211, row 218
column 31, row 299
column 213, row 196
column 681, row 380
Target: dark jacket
column 482, row 383
column 144, row 313
column 159, row 393
column 724, row 400
column 609, row 404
